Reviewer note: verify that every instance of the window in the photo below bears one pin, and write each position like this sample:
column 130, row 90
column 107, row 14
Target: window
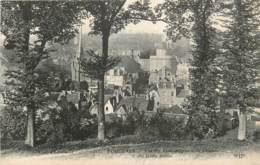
column 121, row 72
column 115, row 72
column 164, row 85
column 106, row 109
column 172, row 93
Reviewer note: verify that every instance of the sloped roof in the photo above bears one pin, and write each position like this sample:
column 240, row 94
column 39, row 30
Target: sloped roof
column 139, row 102
column 129, row 64
column 174, row 109
column 108, row 97
column 174, row 64
column 181, row 93
column 166, row 69
column 182, row 82
column 108, row 91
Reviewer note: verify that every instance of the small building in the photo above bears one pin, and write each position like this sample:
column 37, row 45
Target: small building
column 161, row 59
column 109, row 107
column 130, row 104
column 126, row 72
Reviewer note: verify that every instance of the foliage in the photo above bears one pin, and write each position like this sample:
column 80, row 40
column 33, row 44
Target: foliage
column 50, row 127
column 241, row 50
column 95, row 67
column 59, row 122
column 192, row 18
column 141, row 84
column 155, row 126
column 18, row 32
column 30, row 27
column 88, row 128
column 108, row 17
column 13, row 124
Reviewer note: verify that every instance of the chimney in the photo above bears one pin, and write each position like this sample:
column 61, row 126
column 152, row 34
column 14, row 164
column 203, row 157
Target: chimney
column 117, row 96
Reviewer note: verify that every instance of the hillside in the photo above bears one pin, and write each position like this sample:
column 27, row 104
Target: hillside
column 123, row 41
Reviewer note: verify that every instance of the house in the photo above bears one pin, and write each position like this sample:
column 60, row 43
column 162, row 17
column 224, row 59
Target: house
column 172, row 90
column 130, row 104
column 125, row 73
column 165, row 82
column 161, row 59
column 109, row 107
column 164, row 73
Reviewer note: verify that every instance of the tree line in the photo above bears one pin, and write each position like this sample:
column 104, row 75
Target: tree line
column 224, row 58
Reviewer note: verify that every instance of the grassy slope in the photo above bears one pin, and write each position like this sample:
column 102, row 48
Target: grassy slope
column 130, row 144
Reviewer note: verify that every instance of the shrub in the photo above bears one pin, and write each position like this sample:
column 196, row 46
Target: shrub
column 12, row 124
column 50, row 126
column 88, row 127
column 202, row 125
column 160, row 127
column 58, row 122
column 199, row 125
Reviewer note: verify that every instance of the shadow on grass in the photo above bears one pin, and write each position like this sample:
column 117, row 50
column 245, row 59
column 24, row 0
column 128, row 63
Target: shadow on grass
column 129, row 144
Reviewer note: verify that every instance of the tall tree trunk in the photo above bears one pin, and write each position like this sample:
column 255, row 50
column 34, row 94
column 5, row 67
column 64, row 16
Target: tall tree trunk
column 27, row 13
column 242, row 116
column 101, row 114
column 30, row 134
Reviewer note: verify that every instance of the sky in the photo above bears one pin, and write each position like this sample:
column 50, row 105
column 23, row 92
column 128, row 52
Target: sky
column 142, row 27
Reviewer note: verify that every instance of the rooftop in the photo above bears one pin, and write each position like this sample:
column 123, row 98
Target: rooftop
column 129, row 64
column 138, row 102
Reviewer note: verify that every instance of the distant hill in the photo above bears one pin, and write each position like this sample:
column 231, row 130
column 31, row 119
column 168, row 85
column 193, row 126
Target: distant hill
column 123, row 41
column 144, row 42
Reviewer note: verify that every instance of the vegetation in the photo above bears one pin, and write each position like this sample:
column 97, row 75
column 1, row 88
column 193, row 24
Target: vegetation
column 193, row 19
column 223, row 73
column 111, row 19
column 29, row 28
column 241, row 48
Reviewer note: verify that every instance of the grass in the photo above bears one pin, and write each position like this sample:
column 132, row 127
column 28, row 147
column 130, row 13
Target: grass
column 131, row 144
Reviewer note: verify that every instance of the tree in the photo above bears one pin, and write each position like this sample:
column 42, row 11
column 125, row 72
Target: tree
column 108, row 17
column 30, row 27
column 192, row 18
column 241, row 52
column 141, row 84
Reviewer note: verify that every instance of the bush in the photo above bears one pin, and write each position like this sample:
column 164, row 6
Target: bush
column 49, row 126
column 199, row 125
column 88, row 128
column 158, row 126
column 12, row 124
column 58, row 123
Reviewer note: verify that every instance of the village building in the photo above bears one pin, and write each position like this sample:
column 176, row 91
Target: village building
column 130, row 104
column 170, row 74
column 124, row 74
column 109, row 107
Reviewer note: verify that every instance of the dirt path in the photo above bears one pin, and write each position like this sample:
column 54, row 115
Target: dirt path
column 97, row 157
column 125, row 159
